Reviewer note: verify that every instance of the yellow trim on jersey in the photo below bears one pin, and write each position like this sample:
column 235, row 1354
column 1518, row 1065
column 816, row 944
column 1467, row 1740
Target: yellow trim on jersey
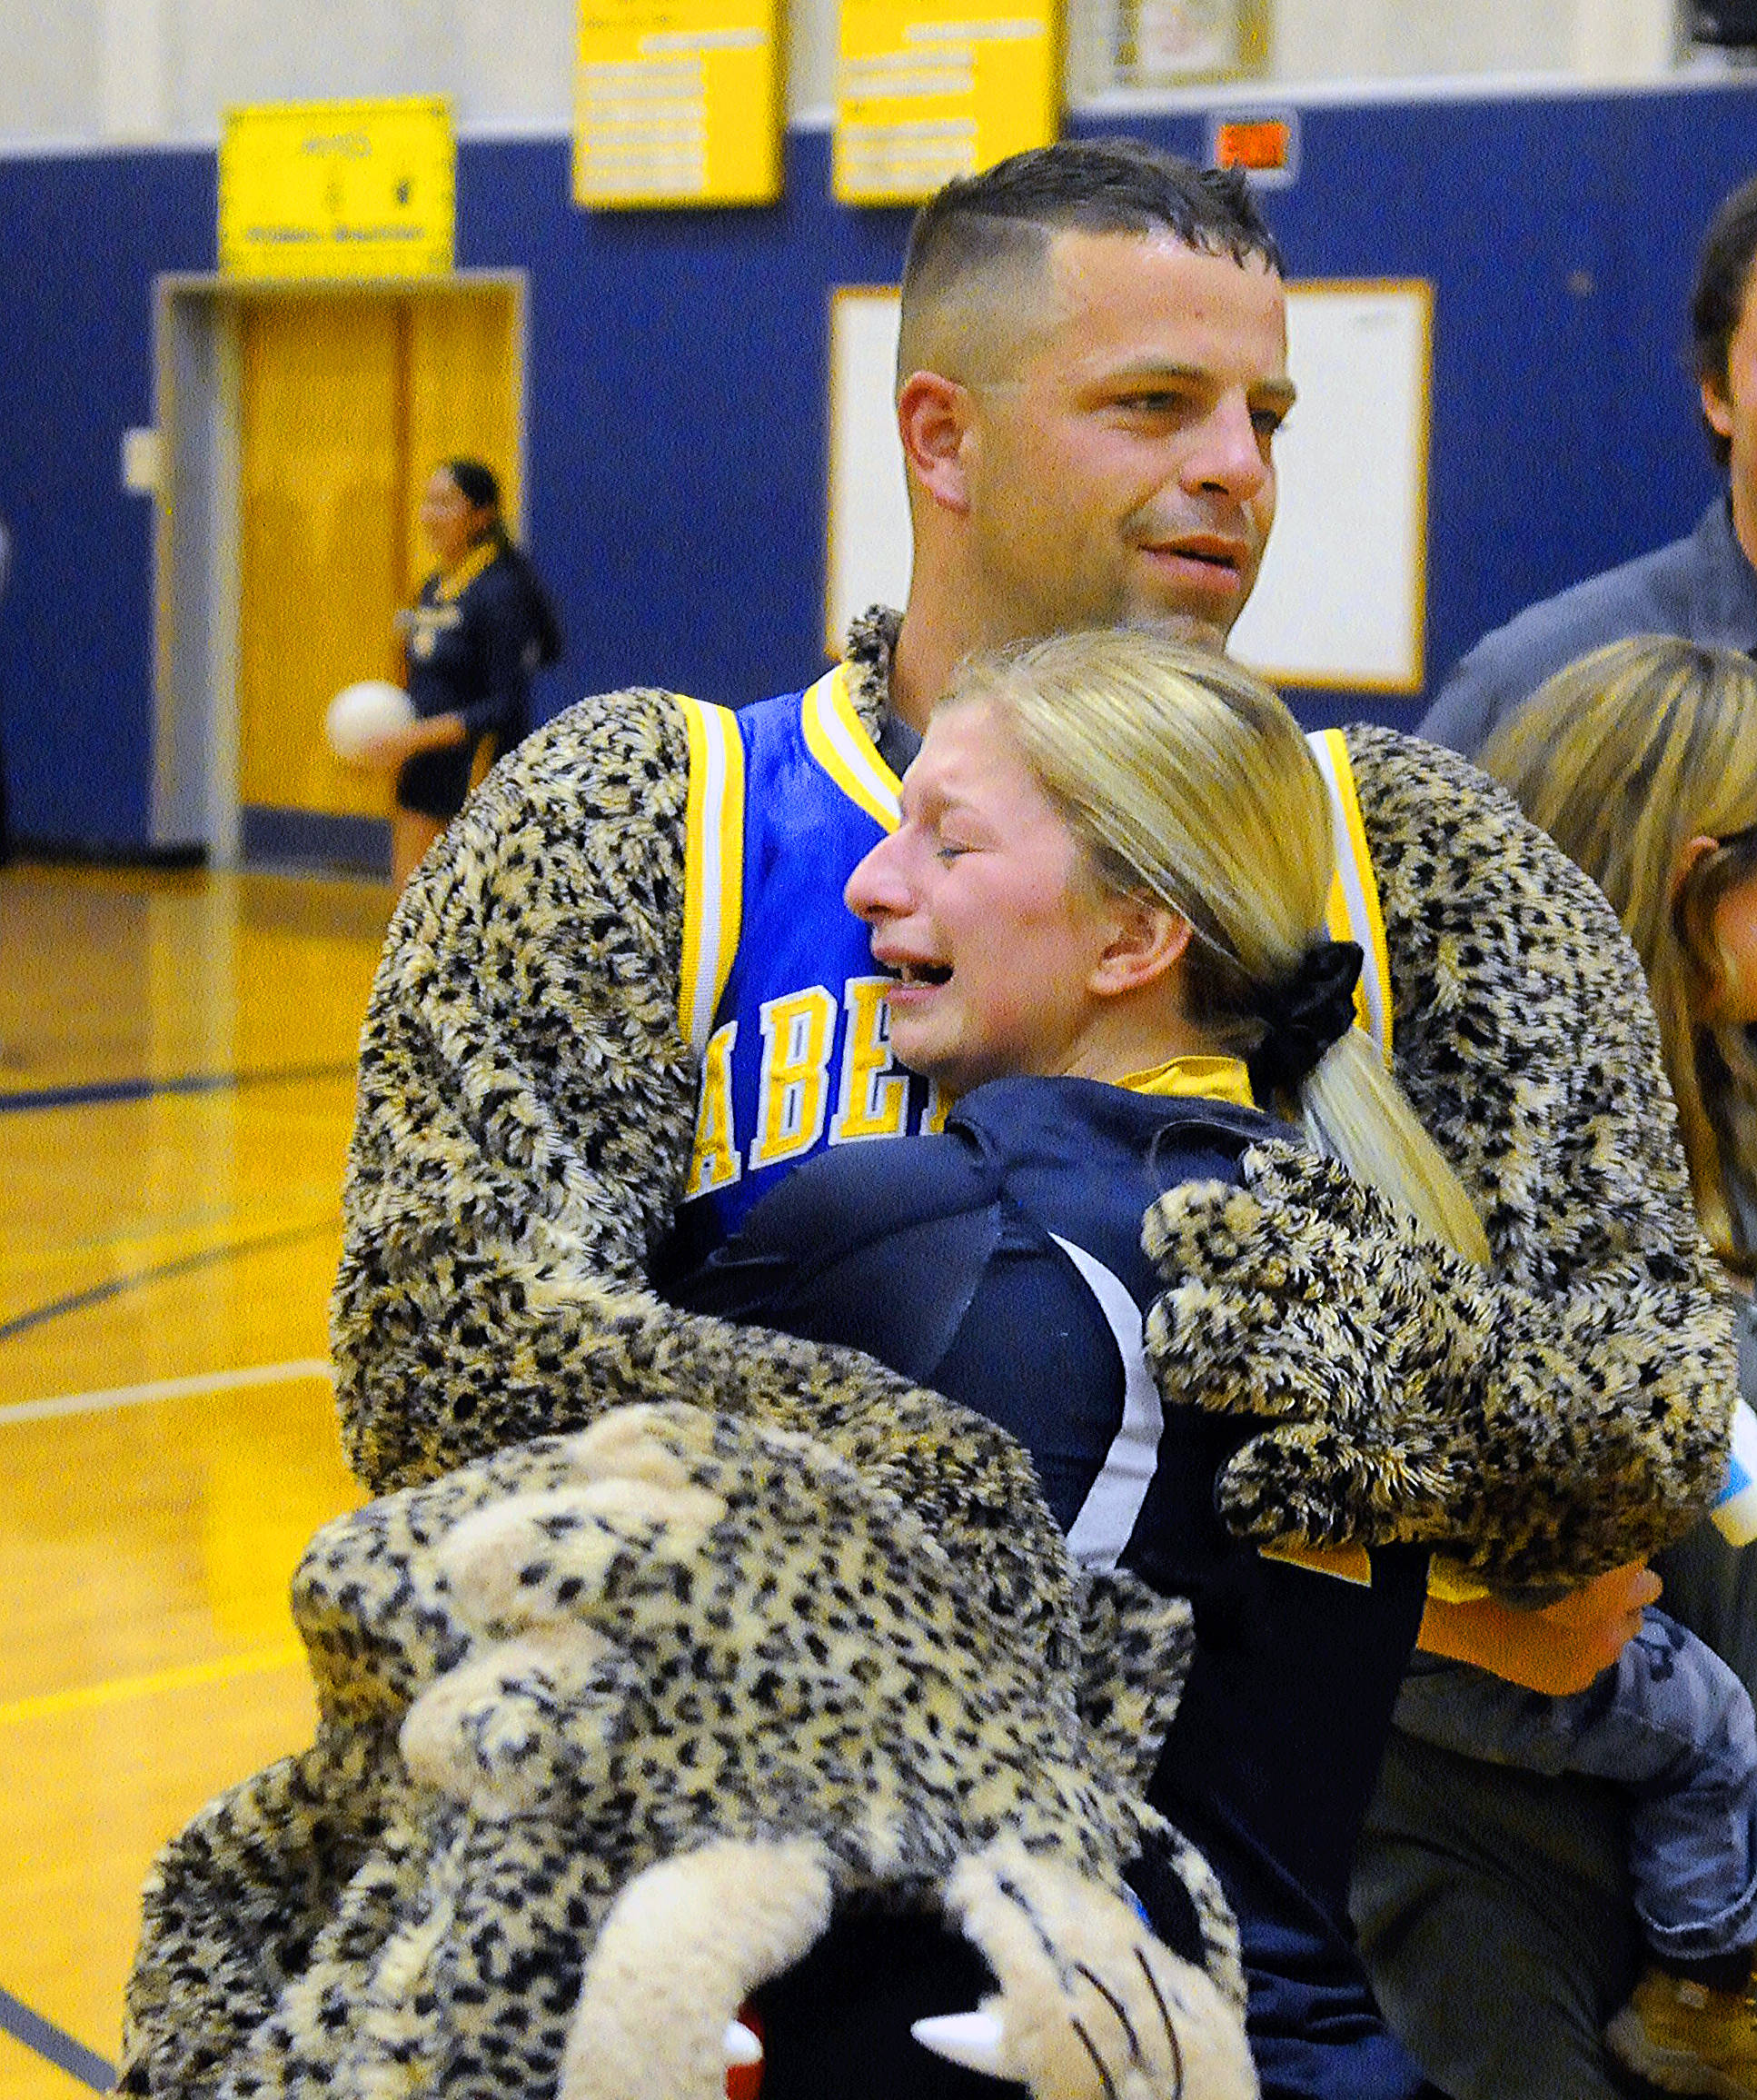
column 1446, row 1582
column 713, row 866
column 836, row 738
column 1354, row 912
column 1201, row 1078
column 1452, row 1584
column 454, row 582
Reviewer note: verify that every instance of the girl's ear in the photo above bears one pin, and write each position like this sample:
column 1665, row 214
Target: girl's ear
column 934, row 421
column 1148, row 940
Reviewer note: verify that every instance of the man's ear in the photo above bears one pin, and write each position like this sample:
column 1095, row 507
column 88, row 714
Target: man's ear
column 1148, row 941
column 1717, row 408
column 1691, row 852
column 935, row 420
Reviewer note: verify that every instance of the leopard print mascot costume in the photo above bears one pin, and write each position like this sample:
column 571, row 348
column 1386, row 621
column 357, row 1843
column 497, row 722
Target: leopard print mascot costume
column 663, row 1637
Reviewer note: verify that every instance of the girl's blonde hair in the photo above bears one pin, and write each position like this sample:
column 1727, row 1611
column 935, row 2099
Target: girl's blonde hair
column 1187, row 780
column 1624, row 757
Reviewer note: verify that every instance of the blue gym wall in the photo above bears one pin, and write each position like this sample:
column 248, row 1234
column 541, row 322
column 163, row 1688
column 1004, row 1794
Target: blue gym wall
column 676, row 391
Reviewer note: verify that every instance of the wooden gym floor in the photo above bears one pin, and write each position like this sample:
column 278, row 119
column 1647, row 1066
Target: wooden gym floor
column 176, row 1090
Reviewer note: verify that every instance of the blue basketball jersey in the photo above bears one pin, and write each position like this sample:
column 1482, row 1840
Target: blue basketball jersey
column 780, row 997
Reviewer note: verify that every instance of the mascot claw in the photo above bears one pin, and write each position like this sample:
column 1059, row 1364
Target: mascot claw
column 741, row 2047
column 1090, row 2004
column 971, row 2039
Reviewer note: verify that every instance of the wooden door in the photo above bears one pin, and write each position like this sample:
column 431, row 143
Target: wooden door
column 323, row 496
column 347, row 402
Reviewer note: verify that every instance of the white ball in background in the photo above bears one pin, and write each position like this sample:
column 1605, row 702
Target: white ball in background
column 359, row 714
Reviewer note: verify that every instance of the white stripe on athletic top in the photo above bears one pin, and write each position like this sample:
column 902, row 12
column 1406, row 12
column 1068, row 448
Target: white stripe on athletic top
column 1112, row 1508
column 714, row 869
column 1112, row 1504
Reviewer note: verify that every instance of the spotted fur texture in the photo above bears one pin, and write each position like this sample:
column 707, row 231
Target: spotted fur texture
column 1598, row 1414
column 566, row 1668
column 1407, row 1389
column 525, row 1117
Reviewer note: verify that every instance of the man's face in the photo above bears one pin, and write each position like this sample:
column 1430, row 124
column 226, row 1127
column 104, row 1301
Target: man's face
column 1733, row 411
column 1120, row 473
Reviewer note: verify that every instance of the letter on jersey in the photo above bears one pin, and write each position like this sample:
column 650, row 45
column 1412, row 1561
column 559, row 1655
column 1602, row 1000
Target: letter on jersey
column 714, row 1161
column 875, row 1101
column 798, row 1033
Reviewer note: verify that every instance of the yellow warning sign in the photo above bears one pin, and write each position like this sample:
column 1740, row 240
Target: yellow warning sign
column 678, row 102
column 923, row 94
column 338, row 189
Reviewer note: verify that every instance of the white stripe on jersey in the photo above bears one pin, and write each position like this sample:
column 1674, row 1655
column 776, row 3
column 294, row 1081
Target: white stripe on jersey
column 1112, row 1504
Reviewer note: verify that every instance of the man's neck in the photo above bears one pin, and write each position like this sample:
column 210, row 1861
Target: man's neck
column 920, row 670
column 940, row 628
column 938, row 632
column 1744, row 520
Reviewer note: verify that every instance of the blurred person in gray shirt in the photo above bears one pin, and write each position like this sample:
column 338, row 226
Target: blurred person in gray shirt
column 1702, row 587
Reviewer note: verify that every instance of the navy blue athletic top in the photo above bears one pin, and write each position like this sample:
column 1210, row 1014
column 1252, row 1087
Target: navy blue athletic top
column 469, row 651
column 1001, row 1264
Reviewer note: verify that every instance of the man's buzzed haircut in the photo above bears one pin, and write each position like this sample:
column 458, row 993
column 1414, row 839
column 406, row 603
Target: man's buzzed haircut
column 1001, row 222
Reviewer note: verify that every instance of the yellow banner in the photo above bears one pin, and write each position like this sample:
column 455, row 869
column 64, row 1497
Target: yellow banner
column 925, row 94
column 338, row 189
column 678, row 102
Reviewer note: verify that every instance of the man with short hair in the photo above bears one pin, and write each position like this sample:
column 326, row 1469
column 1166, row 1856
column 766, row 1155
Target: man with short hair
column 1702, row 587
column 1088, row 416
column 623, row 996
column 1092, row 368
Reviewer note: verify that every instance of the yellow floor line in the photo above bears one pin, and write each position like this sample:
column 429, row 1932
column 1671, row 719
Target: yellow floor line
column 78, row 1698
column 97, row 1403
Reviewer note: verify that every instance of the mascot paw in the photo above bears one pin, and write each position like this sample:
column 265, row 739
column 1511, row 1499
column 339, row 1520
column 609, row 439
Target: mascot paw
column 1309, row 1298
column 1316, row 1484
column 711, row 1685
column 1090, row 2006
column 730, row 1619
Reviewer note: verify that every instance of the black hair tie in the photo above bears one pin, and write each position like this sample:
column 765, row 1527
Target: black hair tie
column 1304, row 1016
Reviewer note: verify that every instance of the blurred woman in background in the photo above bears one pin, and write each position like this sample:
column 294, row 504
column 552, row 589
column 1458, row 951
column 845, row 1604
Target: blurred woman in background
column 481, row 625
column 1639, row 759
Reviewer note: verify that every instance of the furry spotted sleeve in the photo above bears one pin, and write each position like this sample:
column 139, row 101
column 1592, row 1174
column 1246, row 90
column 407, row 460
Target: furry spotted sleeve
column 1570, row 1409
column 1523, row 1031
column 1526, row 1040
column 524, row 1098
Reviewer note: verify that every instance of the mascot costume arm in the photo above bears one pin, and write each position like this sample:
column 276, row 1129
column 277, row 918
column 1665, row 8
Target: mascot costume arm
column 1565, row 1412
